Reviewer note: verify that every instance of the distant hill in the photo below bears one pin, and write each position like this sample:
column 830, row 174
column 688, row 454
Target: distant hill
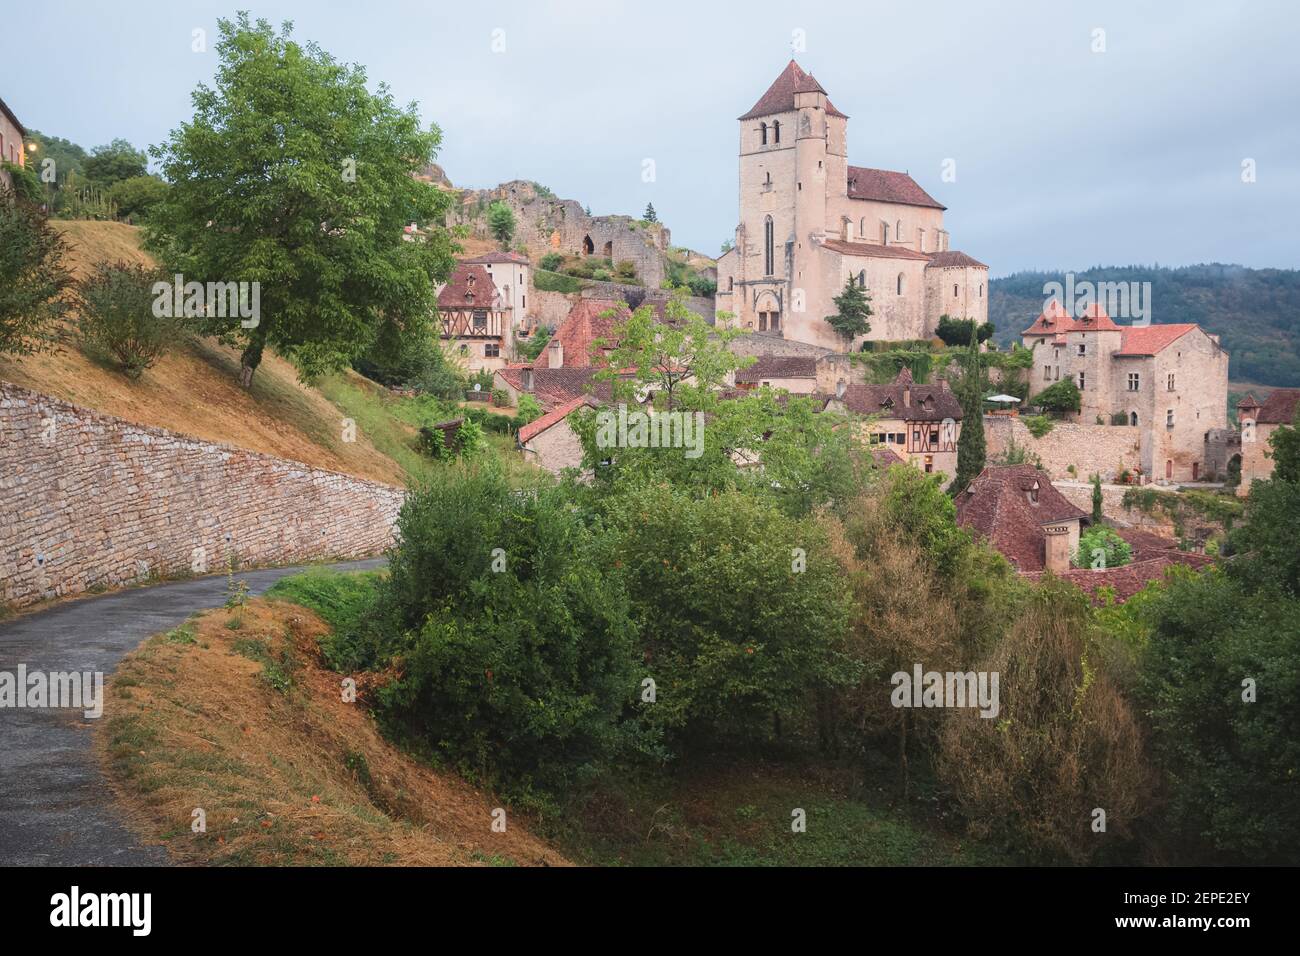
column 1255, row 311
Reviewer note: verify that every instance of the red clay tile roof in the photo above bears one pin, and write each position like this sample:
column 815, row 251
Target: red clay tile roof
column 1150, row 339
column 495, row 257
column 884, row 456
column 1055, row 319
column 872, row 250
column 556, row 386
column 585, row 324
column 1279, row 408
column 887, row 400
column 953, row 259
column 1127, row 580
column 997, row 507
column 778, row 366
column 553, row 417
column 887, row 185
column 1145, row 544
column 779, row 97
column 470, row 287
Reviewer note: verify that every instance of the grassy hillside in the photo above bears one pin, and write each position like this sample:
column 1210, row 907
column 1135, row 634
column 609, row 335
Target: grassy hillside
column 193, row 390
column 233, row 712
column 1255, row 311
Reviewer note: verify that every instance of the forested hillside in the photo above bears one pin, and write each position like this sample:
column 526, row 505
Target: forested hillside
column 1256, row 311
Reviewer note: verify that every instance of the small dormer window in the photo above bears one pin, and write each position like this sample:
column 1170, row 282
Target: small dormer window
column 1033, row 493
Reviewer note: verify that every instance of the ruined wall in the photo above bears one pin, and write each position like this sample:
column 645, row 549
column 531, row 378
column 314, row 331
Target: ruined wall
column 550, row 309
column 1092, row 449
column 544, row 223
column 88, row 501
column 1079, row 494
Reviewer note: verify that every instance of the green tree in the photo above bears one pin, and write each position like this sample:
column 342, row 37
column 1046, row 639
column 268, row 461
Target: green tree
column 529, row 409
column 1097, row 515
column 957, row 332
column 853, row 309
column 114, row 162
column 1099, row 546
column 293, row 175
column 680, row 360
column 971, row 447
column 501, row 223
column 33, row 276
column 1059, row 398
column 115, row 317
column 650, row 214
column 136, row 197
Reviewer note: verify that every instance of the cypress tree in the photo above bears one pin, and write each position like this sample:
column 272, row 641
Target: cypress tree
column 971, row 449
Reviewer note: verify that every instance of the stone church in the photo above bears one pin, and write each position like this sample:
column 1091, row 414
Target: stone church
column 809, row 222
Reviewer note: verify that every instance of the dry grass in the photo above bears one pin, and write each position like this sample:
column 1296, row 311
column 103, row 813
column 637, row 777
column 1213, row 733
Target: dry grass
column 193, row 389
column 248, row 724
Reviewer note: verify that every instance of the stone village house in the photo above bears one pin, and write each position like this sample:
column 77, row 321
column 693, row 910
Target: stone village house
column 920, row 423
column 1258, row 423
column 1170, row 381
column 483, row 308
column 11, row 140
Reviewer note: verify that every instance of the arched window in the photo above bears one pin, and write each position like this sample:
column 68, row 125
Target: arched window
column 954, row 290
column 731, row 283
column 862, row 227
column 776, row 131
column 1133, row 418
column 901, row 284
column 898, row 231
column 862, row 279
column 762, row 134
column 884, row 233
column 769, row 265
column 981, row 290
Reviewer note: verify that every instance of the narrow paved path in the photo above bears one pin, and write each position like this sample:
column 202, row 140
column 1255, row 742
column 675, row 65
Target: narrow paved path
column 55, row 805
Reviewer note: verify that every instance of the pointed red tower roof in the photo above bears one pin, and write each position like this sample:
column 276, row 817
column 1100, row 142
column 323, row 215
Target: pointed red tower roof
column 779, row 97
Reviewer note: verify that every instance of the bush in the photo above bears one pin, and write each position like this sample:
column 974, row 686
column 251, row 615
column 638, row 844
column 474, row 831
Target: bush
column 626, row 269
column 1064, row 743
column 1100, row 547
column 33, row 277
column 464, row 441
column 601, row 275
column 740, row 632
column 552, row 261
column 529, row 409
column 555, row 282
column 517, row 652
column 500, row 397
column 116, row 317
column 347, row 603
column 1059, row 398
column 1230, row 764
column 1038, row 425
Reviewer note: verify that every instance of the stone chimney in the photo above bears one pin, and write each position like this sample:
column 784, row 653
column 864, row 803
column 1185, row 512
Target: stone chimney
column 557, row 353
column 1057, row 558
column 840, row 388
column 528, row 379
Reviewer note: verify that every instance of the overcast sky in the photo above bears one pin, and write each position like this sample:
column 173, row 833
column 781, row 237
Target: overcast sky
column 1064, row 157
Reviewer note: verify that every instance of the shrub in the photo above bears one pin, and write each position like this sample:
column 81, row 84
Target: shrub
column 1118, row 418
column 554, row 282
column 1059, row 398
column 740, row 632
column 116, row 319
column 1038, row 425
column 626, row 269
column 529, row 409
column 517, row 649
column 552, row 261
column 465, row 440
column 601, row 275
column 1230, row 764
column 500, row 397
column 33, row 277
column 1064, row 743
column 1099, row 546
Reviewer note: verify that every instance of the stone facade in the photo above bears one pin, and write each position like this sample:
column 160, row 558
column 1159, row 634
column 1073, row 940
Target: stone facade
column 545, row 224
column 1104, row 450
column 89, row 501
column 810, row 222
column 1258, row 423
column 483, row 309
column 11, row 137
column 1170, row 381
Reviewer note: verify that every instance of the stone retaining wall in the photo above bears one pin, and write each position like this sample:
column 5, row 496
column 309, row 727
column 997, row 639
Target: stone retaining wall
column 90, row 501
column 1092, row 449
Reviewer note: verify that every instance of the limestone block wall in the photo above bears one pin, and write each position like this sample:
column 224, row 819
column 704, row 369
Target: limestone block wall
column 88, row 501
column 1091, row 449
column 1112, row 507
column 551, row 308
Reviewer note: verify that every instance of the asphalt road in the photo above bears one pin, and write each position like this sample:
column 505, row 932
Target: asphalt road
column 55, row 806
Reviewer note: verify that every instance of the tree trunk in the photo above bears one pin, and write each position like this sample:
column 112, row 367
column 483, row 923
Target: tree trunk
column 251, row 358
